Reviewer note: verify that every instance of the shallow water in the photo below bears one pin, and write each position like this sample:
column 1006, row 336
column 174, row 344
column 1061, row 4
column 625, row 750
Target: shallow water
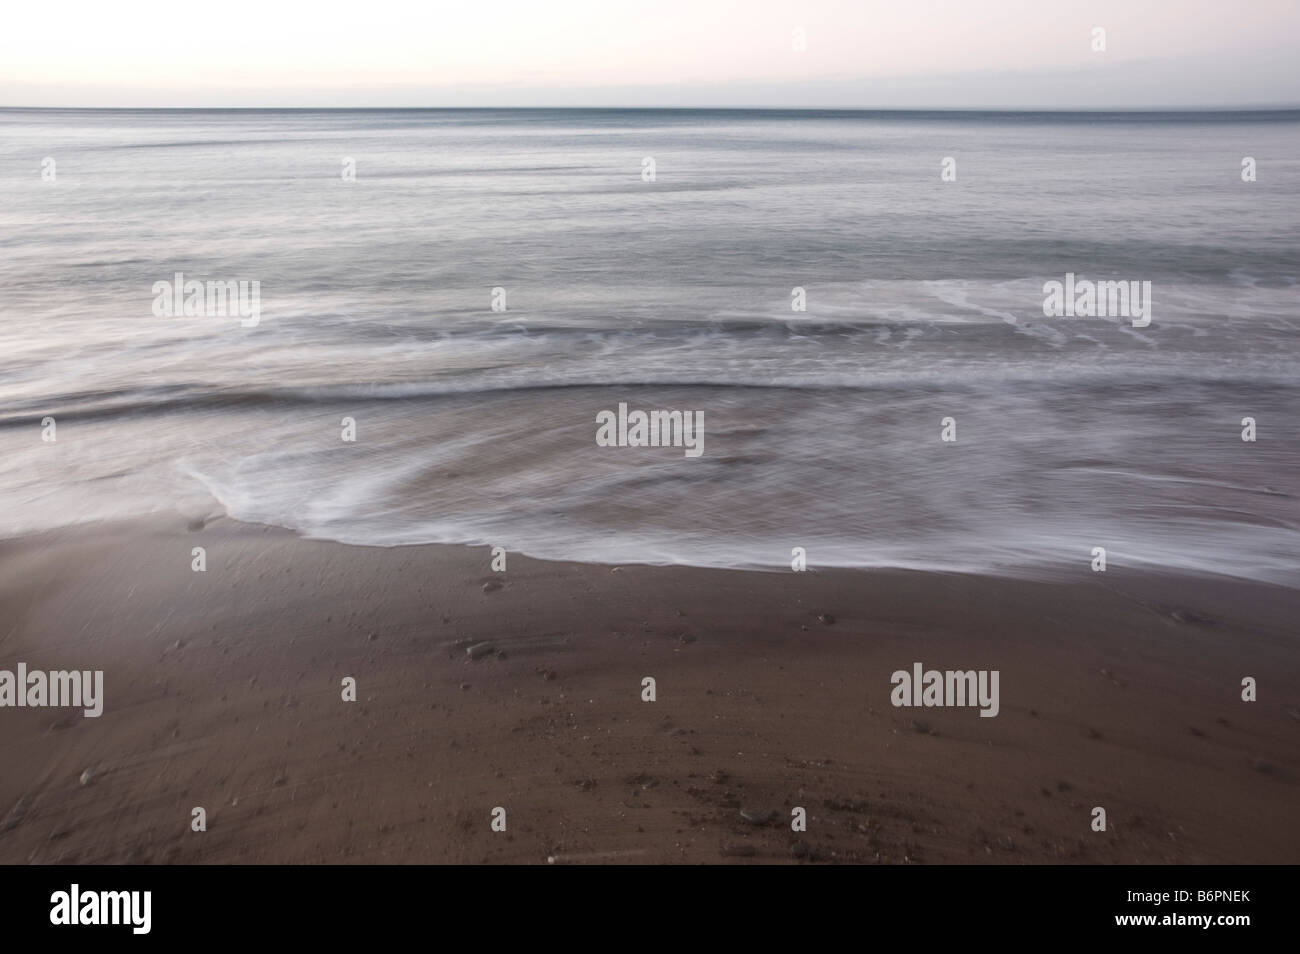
column 822, row 428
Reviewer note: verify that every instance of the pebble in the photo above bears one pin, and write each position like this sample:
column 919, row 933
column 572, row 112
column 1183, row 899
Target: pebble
column 479, row 650
column 16, row 815
column 738, row 851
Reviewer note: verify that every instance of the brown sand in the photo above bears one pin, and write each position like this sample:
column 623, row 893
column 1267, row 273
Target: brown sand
column 223, row 691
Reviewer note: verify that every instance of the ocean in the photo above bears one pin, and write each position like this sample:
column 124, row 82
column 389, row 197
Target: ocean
column 472, row 288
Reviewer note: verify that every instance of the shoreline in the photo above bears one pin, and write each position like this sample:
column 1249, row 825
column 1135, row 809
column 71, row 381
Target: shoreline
column 222, row 691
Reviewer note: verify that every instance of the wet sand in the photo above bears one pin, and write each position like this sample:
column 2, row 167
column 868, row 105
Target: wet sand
column 223, row 691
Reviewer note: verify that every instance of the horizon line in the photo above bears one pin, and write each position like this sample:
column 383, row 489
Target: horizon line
column 1273, row 108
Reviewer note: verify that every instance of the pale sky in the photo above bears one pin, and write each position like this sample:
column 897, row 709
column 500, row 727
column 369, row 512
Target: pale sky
column 863, row 53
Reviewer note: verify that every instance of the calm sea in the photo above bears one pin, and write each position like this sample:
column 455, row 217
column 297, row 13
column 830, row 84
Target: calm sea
column 924, row 301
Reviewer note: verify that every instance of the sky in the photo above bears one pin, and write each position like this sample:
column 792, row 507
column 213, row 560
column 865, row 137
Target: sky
column 745, row 53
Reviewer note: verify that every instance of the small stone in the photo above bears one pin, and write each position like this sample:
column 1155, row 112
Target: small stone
column 826, row 618
column 479, row 650
column 15, row 815
column 86, row 776
column 491, row 585
column 755, row 816
column 738, row 851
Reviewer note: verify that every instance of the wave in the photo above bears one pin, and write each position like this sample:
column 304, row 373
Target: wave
column 181, row 398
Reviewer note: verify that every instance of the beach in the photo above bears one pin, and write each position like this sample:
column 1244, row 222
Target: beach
column 855, row 505
column 224, row 690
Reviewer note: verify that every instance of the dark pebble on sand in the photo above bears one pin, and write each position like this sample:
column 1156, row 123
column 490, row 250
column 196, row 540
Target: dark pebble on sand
column 16, row 815
column 1191, row 617
column 738, row 851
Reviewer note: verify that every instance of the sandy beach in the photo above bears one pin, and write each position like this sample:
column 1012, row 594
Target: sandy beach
column 223, row 690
